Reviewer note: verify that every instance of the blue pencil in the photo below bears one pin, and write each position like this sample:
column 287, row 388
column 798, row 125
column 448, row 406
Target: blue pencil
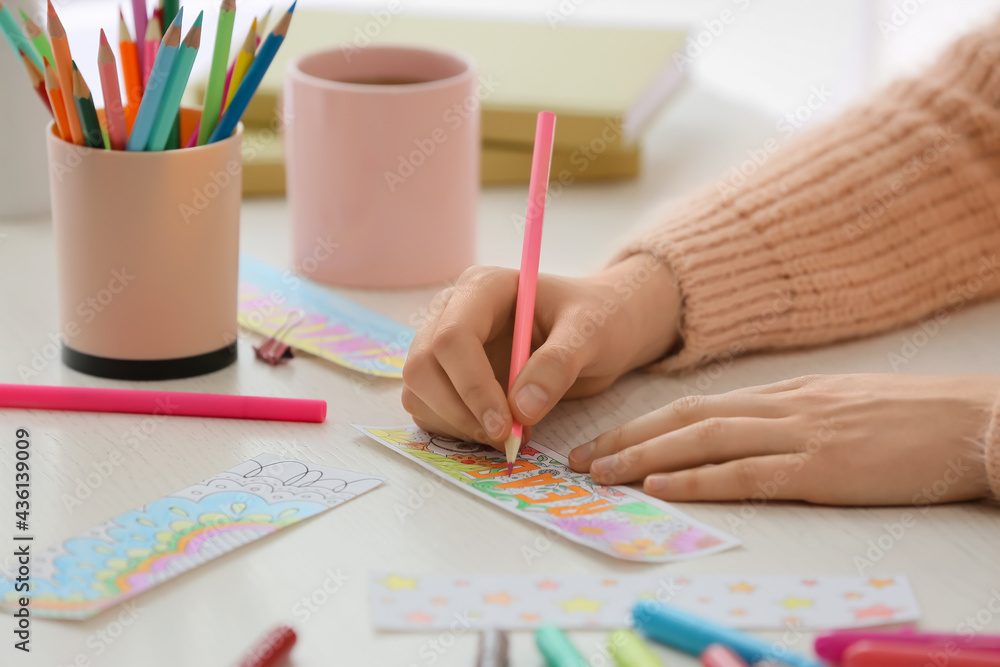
column 252, row 79
column 149, row 108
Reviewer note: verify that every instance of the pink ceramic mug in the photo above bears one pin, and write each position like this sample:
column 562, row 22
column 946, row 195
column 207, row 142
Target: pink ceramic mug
column 382, row 152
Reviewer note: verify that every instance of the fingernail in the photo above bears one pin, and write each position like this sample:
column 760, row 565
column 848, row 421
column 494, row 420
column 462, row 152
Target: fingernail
column 531, row 400
column 603, row 470
column 656, row 483
column 493, row 423
column 582, row 455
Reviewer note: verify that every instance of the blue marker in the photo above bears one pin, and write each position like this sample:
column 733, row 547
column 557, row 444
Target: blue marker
column 692, row 635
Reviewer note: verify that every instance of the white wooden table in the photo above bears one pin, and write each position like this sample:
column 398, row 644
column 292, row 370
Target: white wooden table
column 210, row 615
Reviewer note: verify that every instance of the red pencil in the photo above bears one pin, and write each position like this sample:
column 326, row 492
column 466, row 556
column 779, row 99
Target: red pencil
column 150, row 47
column 181, row 404
column 271, row 649
column 37, row 80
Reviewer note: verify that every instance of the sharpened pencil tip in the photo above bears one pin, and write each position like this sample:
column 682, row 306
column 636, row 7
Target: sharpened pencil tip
column 510, row 469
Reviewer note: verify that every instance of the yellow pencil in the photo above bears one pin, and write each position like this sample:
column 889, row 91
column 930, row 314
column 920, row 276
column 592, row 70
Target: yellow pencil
column 243, row 60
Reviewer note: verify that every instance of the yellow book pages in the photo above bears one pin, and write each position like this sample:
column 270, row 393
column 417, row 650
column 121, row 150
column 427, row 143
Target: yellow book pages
column 589, row 75
column 501, row 163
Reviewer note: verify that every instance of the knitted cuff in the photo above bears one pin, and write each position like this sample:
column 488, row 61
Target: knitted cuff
column 874, row 221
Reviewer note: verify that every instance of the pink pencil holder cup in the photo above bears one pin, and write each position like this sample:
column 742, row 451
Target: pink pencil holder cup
column 147, row 248
column 382, row 161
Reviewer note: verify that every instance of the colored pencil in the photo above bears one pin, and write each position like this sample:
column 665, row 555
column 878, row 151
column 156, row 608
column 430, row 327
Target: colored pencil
column 150, row 45
column 158, row 15
column 149, row 108
column 255, row 74
column 114, row 112
column 169, row 11
column 240, row 64
column 64, row 68
column 84, row 101
column 262, row 25
column 271, row 650
column 37, row 36
column 212, row 105
column 130, row 72
column 57, row 102
column 180, row 404
column 527, row 281
column 37, row 80
column 16, row 38
column 140, row 18
column 175, row 87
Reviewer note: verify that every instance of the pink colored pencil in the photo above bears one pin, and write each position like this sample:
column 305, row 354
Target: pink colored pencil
column 139, row 19
column 150, row 47
column 223, row 406
column 193, row 139
column 718, row 655
column 114, row 111
column 527, row 281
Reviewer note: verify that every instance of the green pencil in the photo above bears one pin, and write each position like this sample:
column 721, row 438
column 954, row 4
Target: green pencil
column 167, row 118
column 38, row 37
column 85, row 108
column 170, row 11
column 217, row 78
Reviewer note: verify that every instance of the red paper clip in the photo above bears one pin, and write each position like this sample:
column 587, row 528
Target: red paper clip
column 274, row 350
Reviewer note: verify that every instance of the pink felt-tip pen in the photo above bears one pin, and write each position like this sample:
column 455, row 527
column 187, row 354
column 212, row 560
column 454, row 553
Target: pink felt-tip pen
column 718, row 655
column 831, row 645
column 88, row 399
column 527, row 281
column 869, row 653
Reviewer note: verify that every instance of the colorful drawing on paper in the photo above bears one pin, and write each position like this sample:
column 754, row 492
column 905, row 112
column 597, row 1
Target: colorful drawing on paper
column 617, row 521
column 332, row 328
column 138, row 550
column 590, row 601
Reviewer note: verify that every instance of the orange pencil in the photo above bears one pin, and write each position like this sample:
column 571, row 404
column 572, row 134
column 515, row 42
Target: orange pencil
column 114, row 114
column 56, row 99
column 130, row 70
column 37, row 80
column 64, row 63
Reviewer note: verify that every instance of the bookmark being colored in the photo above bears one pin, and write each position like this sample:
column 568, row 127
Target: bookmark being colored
column 179, row 76
column 149, row 108
column 527, row 282
column 217, row 76
column 255, row 74
column 64, row 69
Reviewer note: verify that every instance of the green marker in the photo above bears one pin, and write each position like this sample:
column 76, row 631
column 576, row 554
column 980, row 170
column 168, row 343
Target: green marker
column 557, row 649
column 628, row 650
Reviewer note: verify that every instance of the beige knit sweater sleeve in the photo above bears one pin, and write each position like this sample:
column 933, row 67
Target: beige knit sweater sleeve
column 886, row 215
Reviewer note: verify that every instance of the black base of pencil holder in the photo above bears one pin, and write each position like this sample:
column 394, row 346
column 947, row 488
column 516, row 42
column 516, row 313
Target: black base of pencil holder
column 149, row 369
